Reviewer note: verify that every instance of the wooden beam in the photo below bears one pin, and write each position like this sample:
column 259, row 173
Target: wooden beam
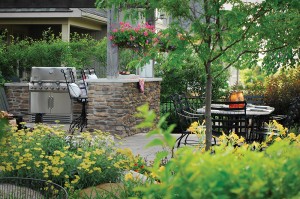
column 47, row 4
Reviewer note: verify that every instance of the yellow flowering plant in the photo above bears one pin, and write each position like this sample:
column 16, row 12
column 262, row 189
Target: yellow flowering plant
column 235, row 169
column 74, row 162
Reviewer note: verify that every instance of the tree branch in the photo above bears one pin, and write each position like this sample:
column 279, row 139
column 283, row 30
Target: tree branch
column 260, row 13
column 248, row 51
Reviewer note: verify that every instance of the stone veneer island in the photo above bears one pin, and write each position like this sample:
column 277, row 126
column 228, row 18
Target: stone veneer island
column 111, row 105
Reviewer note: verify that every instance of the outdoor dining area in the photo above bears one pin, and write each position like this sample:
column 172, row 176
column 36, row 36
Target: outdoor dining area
column 249, row 119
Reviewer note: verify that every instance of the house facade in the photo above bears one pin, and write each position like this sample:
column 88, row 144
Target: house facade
column 23, row 22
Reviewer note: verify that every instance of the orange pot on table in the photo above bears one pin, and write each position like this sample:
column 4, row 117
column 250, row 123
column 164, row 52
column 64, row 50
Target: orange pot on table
column 235, row 97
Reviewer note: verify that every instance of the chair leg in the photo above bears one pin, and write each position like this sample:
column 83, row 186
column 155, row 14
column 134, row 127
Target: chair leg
column 79, row 122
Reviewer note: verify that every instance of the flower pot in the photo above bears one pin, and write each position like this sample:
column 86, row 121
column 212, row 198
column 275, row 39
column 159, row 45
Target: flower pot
column 236, row 96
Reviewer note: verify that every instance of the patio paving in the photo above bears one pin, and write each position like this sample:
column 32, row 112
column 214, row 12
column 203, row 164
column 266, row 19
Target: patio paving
column 137, row 143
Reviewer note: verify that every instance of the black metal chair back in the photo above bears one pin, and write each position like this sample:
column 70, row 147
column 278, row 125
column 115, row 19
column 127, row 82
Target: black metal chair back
column 229, row 117
column 81, row 121
column 255, row 99
column 3, row 100
column 81, row 82
column 185, row 118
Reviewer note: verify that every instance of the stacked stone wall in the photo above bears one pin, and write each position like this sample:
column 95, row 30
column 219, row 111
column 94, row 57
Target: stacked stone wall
column 18, row 99
column 112, row 106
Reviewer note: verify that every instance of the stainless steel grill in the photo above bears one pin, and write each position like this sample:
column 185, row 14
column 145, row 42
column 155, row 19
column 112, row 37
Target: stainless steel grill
column 48, row 91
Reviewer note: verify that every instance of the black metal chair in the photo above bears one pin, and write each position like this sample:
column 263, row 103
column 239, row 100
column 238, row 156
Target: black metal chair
column 77, row 92
column 185, row 118
column 260, row 100
column 255, row 99
column 230, row 117
column 89, row 73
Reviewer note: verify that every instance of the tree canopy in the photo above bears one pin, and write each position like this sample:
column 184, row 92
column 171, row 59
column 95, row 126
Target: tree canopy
column 226, row 33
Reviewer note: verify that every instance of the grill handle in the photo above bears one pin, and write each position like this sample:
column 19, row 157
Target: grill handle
column 50, row 102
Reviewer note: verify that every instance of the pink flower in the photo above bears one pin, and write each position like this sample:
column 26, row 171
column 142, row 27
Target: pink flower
column 145, row 33
column 111, row 37
column 137, row 29
column 115, row 30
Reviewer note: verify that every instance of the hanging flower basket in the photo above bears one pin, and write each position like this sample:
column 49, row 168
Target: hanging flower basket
column 127, row 36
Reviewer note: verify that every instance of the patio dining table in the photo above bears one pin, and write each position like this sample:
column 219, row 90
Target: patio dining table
column 251, row 110
column 256, row 115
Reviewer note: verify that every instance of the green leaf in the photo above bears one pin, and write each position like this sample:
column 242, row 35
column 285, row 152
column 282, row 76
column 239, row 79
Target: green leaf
column 155, row 142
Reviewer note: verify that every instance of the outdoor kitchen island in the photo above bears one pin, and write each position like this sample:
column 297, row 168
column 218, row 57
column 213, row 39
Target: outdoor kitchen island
column 112, row 103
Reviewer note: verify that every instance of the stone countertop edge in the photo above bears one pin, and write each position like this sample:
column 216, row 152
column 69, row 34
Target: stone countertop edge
column 17, row 84
column 100, row 80
column 123, row 80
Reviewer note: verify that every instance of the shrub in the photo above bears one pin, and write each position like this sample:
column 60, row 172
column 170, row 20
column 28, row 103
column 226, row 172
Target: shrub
column 72, row 162
column 247, row 171
column 231, row 173
column 282, row 88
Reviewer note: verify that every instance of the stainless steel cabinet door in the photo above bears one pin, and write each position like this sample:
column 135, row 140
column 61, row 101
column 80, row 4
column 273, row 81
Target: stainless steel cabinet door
column 60, row 103
column 40, row 102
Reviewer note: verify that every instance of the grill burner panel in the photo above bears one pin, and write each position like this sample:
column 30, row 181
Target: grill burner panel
column 48, row 79
column 48, row 86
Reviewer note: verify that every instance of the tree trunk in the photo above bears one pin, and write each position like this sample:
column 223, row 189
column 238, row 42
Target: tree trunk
column 208, row 93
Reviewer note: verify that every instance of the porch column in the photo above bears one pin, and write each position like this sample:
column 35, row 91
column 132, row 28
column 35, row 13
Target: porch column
column 112, row 50
column 65, row 32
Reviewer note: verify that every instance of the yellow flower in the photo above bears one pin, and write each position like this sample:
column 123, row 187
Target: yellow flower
column 161, row 169
column 277, row 139
column 109, row 158
column 66, row 176
column 153, row 174
column 292, row 135
column 66, row 147
column 67, row 184
column 97, row 169
column 77, row 178
column 128, row 176
column 98, row 151
column 87, row 154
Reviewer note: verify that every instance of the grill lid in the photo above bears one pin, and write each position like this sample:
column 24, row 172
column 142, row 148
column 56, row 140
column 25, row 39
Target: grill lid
column 48, row 74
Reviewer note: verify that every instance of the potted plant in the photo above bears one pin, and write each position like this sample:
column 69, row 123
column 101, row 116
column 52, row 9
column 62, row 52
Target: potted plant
column 127, row 36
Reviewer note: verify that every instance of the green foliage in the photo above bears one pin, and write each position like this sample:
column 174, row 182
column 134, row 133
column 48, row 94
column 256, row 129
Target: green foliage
column 254, row 81
column 282, row 88
column 186, row 74
column 74, row 162
column 222, row 37
column 81, row 52
column 149, row 118
column 232, row 172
